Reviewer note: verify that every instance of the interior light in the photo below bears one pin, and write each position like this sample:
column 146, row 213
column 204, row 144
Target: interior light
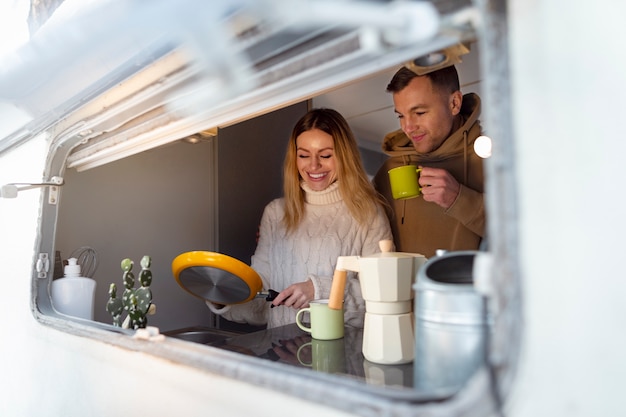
column 193, row 139
column 482, row 146
column 437, row 60
column 204, row 136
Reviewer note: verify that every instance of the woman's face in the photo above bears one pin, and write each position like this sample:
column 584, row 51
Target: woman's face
column 315, row 157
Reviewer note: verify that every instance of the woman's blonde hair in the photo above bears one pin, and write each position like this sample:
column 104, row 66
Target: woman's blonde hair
column 356, row 189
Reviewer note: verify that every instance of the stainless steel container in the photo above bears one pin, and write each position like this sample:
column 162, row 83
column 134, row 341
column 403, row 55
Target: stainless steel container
column 444, row 291
column 451, row 326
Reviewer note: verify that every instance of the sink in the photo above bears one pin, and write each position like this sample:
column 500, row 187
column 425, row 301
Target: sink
column 200, row 334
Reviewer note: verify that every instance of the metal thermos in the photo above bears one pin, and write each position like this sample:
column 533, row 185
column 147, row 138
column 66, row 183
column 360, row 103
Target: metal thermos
column 451, row 322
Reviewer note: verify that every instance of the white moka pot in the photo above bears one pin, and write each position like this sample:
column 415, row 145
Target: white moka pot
column 386, row 282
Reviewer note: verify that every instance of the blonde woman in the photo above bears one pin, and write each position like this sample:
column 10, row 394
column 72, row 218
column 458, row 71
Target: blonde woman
column 329, row 209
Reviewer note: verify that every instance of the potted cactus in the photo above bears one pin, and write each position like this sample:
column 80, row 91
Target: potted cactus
column 137, row 302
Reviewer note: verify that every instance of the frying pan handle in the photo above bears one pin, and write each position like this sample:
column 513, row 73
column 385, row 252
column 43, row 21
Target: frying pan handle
column 271, row 294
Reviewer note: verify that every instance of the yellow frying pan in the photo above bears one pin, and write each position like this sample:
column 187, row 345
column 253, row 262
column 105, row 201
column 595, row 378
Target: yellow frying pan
column 218, row 278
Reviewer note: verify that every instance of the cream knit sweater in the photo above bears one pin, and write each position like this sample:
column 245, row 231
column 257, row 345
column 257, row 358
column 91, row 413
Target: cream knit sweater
column 326, row 232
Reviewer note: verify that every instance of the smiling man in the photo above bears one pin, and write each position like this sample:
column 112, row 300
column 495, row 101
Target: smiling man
column 438, row 128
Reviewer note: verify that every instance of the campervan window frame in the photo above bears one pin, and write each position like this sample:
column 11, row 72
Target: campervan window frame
column 68, row 134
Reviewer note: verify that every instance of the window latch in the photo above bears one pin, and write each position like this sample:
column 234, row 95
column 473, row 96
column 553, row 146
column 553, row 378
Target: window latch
column 11, row 190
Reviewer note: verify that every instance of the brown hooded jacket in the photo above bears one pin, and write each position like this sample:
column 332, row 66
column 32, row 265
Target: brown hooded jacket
column 423, row 227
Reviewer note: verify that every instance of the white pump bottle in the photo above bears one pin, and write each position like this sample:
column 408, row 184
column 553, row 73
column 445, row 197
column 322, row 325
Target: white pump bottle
column 74, row 295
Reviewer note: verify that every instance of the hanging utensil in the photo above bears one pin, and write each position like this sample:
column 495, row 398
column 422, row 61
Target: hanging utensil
column 87, row 258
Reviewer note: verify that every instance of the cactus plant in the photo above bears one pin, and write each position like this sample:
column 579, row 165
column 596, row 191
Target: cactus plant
column 114, row 305
column 135, row 301
column 143, row 293
column 129, row 282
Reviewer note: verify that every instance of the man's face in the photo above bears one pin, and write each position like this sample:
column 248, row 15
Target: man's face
column 426, row 115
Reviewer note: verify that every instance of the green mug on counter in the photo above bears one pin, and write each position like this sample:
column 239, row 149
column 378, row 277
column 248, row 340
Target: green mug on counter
column 404, row 182
column 326, row 323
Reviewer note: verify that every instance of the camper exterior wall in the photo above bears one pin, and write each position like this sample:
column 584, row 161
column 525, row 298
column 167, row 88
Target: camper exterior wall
column 568, row 94
column 567, row 106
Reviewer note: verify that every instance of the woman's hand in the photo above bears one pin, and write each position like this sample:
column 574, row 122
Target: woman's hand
column 296, row 296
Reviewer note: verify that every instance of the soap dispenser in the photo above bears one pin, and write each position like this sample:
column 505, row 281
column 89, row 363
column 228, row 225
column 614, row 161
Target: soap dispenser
column 73, row 294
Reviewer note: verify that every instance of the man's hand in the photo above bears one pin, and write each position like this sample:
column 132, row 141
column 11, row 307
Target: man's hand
column 439, row 186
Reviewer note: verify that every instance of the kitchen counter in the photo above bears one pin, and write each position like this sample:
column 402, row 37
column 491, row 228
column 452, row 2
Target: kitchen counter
column 446, row 358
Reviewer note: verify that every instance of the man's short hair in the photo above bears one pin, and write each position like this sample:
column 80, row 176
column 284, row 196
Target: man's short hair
column 445, row 79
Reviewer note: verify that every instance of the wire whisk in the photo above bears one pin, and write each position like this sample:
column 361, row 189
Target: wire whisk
column 87, row 258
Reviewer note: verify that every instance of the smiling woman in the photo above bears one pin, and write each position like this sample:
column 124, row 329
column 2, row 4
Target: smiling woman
column 329, row 209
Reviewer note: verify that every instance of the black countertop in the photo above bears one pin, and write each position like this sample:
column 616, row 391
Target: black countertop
column 446, row 357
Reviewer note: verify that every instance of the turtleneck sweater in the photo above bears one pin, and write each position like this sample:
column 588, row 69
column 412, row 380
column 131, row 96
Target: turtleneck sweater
column 309, row 252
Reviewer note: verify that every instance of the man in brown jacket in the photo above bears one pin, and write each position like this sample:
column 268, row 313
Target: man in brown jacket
column 438, row 128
